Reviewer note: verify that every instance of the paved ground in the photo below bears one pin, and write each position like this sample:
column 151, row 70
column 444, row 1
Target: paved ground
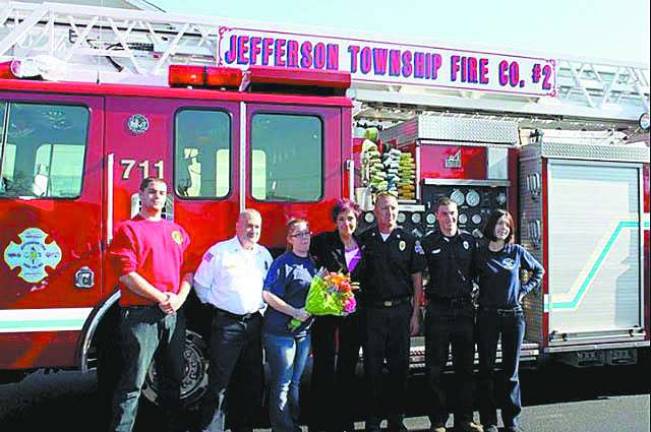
column 556, row 398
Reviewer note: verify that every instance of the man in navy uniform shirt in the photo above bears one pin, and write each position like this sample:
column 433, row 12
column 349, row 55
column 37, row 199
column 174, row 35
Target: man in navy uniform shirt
column 451, row 255
column 391, row 284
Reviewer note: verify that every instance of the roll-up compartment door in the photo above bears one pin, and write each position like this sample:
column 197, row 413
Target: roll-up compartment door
column 594, row 240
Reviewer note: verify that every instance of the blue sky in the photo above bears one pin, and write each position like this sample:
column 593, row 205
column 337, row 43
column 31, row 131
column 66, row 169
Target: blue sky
column 601, row 29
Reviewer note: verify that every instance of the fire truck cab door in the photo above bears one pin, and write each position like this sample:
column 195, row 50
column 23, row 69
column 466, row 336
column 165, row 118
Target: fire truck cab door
column 51, row 218
column 192, row 145
column 294, row 164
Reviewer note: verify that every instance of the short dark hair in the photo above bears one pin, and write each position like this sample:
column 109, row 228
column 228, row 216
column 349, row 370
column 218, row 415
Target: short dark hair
column 489, row 228
column 343, row 205
column 445, row 201
column 144, row 184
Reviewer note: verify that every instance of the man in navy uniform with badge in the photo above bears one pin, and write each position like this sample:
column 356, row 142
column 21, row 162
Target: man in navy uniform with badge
column 450, row 255
column 391, row 284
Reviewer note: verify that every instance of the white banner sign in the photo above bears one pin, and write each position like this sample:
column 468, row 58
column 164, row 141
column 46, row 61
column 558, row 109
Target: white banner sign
column 389, row 62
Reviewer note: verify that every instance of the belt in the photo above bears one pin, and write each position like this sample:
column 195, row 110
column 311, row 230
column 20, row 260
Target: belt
column 390, row 303
column 243, row 317
column 503, row 311
column 450, row 301
column 140, row 306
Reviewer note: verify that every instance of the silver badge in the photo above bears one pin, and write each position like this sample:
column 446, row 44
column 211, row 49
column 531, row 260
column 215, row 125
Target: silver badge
column 138, row 124
column 402, row 245
column 466, row 245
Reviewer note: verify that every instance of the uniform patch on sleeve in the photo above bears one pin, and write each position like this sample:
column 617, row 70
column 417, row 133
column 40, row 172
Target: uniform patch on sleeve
column 177, row 237
column 418, row 248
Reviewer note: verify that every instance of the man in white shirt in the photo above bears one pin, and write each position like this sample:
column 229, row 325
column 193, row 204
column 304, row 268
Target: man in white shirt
column 230, row 279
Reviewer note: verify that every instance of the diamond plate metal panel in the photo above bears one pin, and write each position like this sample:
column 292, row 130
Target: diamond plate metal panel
column 529, row 151
column 595, row 152
column 453, row 129
column 531, row 210
column 468, row 130
column 404, row 133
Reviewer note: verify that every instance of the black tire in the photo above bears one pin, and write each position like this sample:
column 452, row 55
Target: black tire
column 195, row 379
column 110, row 361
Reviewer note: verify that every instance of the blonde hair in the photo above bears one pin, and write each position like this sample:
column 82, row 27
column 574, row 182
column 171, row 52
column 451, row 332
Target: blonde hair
column 291, row 226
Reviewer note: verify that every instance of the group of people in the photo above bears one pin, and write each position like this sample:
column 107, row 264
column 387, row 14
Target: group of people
column 252, row 298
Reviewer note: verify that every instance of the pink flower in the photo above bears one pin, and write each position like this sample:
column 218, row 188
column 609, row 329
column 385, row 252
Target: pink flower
column 350, row 305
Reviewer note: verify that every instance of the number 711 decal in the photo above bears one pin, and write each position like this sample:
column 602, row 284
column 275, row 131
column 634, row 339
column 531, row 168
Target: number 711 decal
column 143, row 168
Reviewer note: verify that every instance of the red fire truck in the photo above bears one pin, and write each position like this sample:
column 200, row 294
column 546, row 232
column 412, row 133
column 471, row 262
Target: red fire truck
column 92, row 100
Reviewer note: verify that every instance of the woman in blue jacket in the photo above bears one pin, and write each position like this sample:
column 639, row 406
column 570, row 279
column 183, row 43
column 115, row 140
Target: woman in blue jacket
column 285, row 291
column 500, row 312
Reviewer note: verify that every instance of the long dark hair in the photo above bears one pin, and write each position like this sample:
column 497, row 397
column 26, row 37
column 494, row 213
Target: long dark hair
column 489, row 228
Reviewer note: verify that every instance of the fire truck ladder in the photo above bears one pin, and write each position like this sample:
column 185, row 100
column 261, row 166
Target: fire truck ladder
column 127, row 46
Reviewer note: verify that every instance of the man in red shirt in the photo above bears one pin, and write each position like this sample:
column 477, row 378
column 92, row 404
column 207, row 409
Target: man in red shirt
column 147, row 252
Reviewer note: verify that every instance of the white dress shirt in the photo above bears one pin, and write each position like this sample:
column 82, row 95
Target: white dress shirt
column 231, row 277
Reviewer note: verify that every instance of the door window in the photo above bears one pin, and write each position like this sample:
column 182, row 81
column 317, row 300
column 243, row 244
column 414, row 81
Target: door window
column 42, row 149
column 203, row 154
column 286, row 158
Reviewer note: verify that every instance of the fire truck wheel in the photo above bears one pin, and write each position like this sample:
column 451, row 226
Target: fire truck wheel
column 196, row 373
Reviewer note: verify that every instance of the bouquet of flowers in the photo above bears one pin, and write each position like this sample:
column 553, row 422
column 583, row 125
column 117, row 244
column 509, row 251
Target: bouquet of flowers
column 330, row 293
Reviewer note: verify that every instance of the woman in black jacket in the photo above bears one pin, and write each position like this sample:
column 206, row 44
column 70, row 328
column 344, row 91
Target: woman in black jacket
column 336, row 340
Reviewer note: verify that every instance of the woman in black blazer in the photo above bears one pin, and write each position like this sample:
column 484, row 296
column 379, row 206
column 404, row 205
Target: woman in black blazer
column 336, row 340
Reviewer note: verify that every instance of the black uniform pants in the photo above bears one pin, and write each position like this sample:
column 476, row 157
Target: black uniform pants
column 511, row 325
column 448, row 324
column 387, row 337
column 235, row 354
column 335, row 348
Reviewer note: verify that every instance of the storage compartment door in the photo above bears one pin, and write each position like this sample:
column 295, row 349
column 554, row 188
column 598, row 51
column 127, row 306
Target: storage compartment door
column 594, row 240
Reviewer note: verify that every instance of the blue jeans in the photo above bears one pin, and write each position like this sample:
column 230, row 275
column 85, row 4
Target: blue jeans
column 511, row 325
column 147, row 333
column 287, row 356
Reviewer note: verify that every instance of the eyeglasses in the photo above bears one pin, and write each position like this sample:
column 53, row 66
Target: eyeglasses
column 304, row 234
